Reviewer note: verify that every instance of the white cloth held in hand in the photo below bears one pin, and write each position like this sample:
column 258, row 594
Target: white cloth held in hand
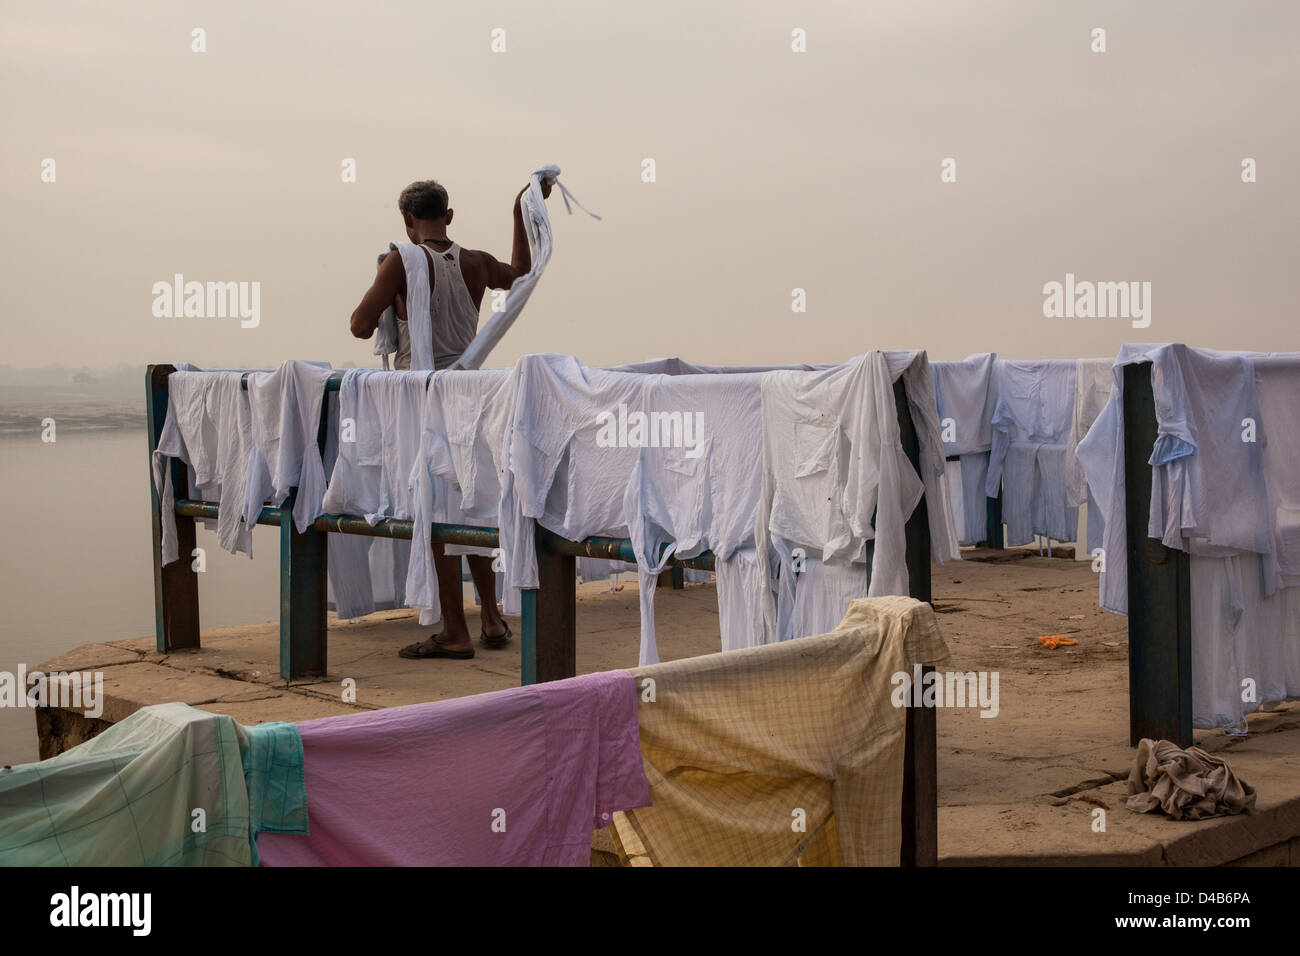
column 537, row 226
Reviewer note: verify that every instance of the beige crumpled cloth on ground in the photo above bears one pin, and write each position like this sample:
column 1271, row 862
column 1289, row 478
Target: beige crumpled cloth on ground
column 1186, row 784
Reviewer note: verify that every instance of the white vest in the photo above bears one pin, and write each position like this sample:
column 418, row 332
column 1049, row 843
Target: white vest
column 435, row 342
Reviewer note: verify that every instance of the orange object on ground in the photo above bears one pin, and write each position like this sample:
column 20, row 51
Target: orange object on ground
column 1053, row 641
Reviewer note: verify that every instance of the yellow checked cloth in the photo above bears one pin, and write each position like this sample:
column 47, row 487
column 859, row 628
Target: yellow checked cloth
column 735, row 745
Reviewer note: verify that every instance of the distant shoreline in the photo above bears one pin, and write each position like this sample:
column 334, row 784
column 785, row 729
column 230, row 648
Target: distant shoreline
column 71, row 412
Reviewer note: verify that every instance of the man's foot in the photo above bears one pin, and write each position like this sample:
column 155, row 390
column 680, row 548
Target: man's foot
column 496, row 641
column 431, row 647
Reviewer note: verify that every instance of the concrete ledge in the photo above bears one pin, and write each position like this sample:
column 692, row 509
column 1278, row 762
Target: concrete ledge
column 1017, row 789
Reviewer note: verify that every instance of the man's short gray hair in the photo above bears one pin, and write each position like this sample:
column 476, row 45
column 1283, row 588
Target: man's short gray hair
column 426, row 199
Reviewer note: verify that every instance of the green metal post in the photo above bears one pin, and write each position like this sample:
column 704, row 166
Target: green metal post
column 175, row 586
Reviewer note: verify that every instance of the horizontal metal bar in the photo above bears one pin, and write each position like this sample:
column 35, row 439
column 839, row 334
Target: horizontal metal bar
column 191, row 508
column 704, row 561
column 462, row 534
column 613, row 549
column 618, row 549
column 468, row 535
column 355, row 524
column 332, row 384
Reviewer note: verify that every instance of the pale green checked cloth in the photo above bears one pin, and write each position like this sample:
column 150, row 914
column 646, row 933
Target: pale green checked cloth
column 132, row 795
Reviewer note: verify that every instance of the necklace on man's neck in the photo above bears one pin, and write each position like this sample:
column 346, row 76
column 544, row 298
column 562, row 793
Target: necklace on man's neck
column 442, row 239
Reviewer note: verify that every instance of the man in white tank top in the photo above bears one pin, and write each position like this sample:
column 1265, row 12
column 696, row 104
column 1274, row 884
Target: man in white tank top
column 453, row 280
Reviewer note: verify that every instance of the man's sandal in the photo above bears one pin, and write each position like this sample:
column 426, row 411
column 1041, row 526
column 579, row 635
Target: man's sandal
column 431, row 648
column 498, row 642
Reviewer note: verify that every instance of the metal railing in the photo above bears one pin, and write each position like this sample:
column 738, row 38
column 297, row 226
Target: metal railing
column 548, row 643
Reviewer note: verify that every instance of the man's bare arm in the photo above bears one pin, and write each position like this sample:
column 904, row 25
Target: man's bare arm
column 390, row 281
column 502, row 276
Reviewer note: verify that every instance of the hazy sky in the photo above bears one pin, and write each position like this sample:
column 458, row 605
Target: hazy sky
column 775, row 170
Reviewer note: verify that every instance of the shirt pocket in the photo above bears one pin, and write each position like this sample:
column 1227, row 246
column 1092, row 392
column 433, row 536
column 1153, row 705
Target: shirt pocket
column 815, row 445
column 679, row 460
column 460, row 416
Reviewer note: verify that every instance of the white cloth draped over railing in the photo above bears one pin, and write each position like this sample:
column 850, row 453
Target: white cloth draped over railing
column 1224, row 490
column 547, row 443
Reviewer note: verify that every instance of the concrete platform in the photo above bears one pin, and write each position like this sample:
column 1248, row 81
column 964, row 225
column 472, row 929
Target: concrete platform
column 1016, row 789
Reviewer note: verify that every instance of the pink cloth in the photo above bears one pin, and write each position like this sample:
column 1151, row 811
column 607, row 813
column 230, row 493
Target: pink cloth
column 424, row 785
